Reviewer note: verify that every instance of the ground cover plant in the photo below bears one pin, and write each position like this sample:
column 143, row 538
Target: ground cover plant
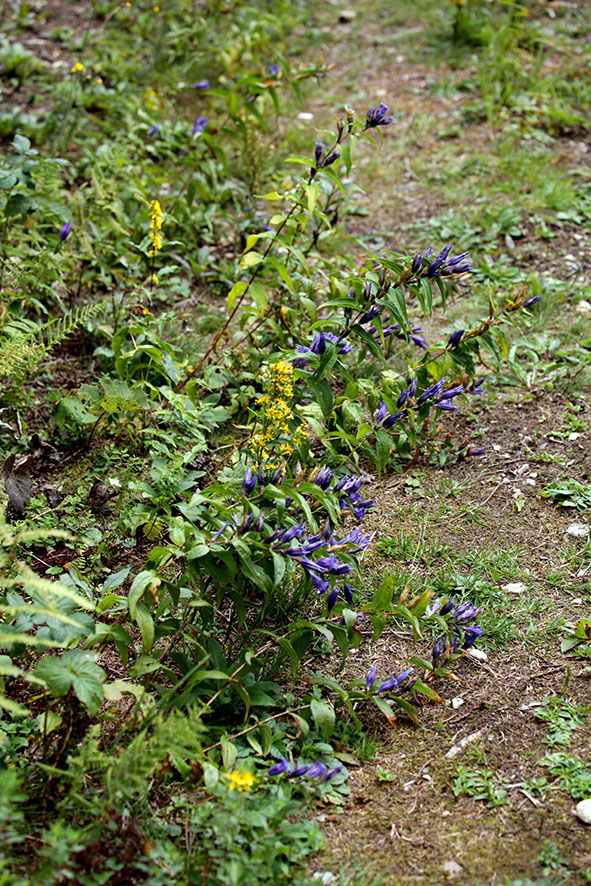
column 287, row 459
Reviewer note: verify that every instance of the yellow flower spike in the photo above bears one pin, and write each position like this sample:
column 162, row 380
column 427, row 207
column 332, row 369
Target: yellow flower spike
column 78, row 67
column 240, row 781
column 156, row 216
column 154, row 279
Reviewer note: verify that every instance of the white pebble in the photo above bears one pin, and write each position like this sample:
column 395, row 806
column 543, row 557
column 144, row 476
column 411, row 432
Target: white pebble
column 579, row 530
column 583, row 811
column 515, row 587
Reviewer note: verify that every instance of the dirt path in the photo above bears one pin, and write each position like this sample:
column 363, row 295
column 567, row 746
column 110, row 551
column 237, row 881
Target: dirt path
column 474, row 528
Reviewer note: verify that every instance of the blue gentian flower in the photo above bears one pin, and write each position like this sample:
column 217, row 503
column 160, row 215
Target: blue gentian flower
column 324, row 477
column 332, row 598
column 455, row 338
column 379, row 116
column 318, row 769
column 321, row 585
column 201, row 84
column 348, row 593
column 153, row 130
column 199, row 124
column 65, row 231
column 371, row 677
column 471, row 635
column 301, row 770
column 332, row 772
column 248, row 482
column 531, row 301
column 279, row 768
column 273, row 70
column 293, row 532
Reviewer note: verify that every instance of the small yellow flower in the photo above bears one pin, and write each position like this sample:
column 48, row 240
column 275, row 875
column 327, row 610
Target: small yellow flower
column 99, row 80
column 128, row 5
column 240, row 781
column 77, row 67
column 154, row 278
column 156, row 9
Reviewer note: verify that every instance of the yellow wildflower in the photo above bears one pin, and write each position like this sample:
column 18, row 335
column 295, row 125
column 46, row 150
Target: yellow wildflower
column 77, row 67
column 154, row 279
column 155, row 226
column 156, row 9
column 240, row 781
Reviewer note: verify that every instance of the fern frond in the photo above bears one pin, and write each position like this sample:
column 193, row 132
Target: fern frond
column 20, row 353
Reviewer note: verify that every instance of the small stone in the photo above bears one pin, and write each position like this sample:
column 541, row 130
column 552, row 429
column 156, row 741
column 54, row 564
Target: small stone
column 478, row 654
column 305, row 115
column 578, row 530
column 515, row 587
column 584, row 307
column 583, row 811
column 451, row 868
column 457, row 702
column 574, row 435
column 347, row 15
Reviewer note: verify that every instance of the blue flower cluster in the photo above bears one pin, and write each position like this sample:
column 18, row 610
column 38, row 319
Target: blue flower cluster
column 463, row 615
column 310, row 770
column 318, row 346
column 380, row 116
column 434, row 394
column 399, row 684
column 444, row 265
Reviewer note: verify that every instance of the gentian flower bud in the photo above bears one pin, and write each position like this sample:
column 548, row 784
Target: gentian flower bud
column 332, row 599
column 153, row 130
column 301, row 770
column 371, row 678
column 402, row 397
column 279, row 768
column 202, row 84
column 317, row 770
column 248, row 482
column 531, row 301
column 455, row 338
column 348, row 593
column 65, row 231
column 332, row 772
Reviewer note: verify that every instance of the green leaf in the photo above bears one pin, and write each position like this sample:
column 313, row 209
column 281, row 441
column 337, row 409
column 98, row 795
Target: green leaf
column 324, row 717
column 116, row 579
column 146, row 626
column 382, row 598
column 229, row 753
column 144, row 579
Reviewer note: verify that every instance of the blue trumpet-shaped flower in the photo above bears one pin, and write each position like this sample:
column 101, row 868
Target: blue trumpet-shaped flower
column 471, row 635
column 371, row 677
column 249, row 481
column 279, row 768
column 380, row 116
